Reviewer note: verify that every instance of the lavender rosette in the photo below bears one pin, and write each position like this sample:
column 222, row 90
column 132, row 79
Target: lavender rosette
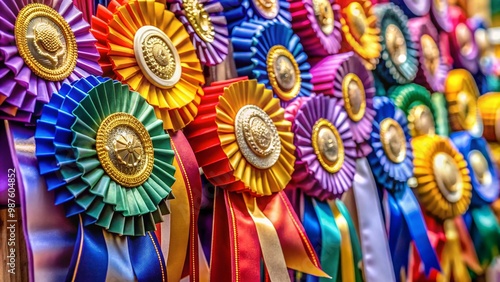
column 334, row 76
column 24, row 86
column 440, row 16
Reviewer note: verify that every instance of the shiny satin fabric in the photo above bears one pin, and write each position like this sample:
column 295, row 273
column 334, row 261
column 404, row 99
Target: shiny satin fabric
column 8, row 153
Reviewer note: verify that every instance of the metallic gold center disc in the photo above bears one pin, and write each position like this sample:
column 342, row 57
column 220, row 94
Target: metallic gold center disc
column 464, row 39
column 422, row 120
column 199, row 20
column 257, row 137
column 356, row 19
column 283, row 72
column 467, row 108
column 431, row 53
column 45, row 42
column 327, row 145
column 396, row 44
column 393, row 140
column 157, row 57
column 324, row 15
column 448, row 177
column 480, row 167
column 354, row 96
column 125, row 149
column 441, row 5
column 268, row 9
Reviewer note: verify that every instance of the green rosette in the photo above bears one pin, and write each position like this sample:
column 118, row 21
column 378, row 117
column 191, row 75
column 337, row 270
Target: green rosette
column 124, row 159
column 441, row 114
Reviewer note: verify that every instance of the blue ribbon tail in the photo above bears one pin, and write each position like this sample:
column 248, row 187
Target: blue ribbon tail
column 399, row 238
column 146, row 258
column 313, row 231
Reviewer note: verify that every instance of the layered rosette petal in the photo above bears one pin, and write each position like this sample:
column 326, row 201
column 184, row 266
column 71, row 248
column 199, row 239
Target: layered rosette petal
column 145, row 46
column 489, row 108
column 463, row 47
column 238, row 12
column 206, row 25
column 106, row 156
column 42, row 44
column 326, row 152
column 414, row 8
column 344, row 77
column 271, row 53
column 440, row 15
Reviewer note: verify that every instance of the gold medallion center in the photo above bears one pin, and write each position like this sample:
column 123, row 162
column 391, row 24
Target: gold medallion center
column 441, row 5
column 464, row 39
column 327, row 145
column 324, row 15
column 430, row 52
column 421, row 120
column 199, row 20
column 467, row 108
column 353, row 92
column 396, row 44
column 480, row 167
column 283, row 72
column 268, row 9
column 45, row 42
column 393, row 140
column 448, row 176
column 124, row 149
column 257, row 137
column 356, row 19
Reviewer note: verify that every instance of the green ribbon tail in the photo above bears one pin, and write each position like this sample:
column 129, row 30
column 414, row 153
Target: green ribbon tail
column 355, row 244
column 487, row 236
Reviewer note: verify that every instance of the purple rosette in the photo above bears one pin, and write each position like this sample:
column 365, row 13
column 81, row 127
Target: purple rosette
column 344, row 76
column 326, row 153
column 440, row 15
column 42, row 44
column 205, row 22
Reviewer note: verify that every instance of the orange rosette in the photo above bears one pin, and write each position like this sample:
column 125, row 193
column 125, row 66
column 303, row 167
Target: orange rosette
column 144, row 45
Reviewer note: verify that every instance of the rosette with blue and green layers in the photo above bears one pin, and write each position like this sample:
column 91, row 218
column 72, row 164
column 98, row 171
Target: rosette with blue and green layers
column 271, row 53
column 106, row 156
column 239, row 11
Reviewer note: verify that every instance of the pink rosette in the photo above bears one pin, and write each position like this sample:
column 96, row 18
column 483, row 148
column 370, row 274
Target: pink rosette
column 463, row 45
column 328, row 78
column 311, row 175
column 317, row 41
column 440, row 15
column 210, row 51
column 22, row 92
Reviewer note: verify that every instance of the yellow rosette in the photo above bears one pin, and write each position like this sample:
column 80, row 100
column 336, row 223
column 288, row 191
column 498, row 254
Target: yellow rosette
column 489, row 108
column 145, row 46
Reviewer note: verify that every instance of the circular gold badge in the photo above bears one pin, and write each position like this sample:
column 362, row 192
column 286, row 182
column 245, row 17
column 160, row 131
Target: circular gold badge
column 324, row 15
column 125, row 149
column 431, row 53
column 448, row 177
column 467, row 109
column 356, row 18
column 327, row 145
column 421, row 121
column 257, row 137
column 396, row 44
column 353, row 92
column 480, row 167
column 268, row 9
column 157, row 56
column 283, row 72
column 464, row 38
column 393, row 140
column 45, row 42
column 199, row 20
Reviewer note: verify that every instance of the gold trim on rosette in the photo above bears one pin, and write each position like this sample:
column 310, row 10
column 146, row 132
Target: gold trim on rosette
column 45, row 42
column 328, row 145
column 396, row 44
column 443, row 184
column 461, row 94
column 268, row 9
column 393, row 140
column 431, row 53
column 199, row 19
column 421, row 121
column 353, row 92
column 324, row 15
column 255, row 137
column 284, row 72
column 124, row 149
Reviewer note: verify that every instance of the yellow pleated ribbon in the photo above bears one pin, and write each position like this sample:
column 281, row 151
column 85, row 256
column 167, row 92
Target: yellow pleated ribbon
column 346, row 254
column 452, row 264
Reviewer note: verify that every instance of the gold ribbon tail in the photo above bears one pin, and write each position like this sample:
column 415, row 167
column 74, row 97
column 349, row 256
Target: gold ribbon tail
column 451, row 259
column 346, row 255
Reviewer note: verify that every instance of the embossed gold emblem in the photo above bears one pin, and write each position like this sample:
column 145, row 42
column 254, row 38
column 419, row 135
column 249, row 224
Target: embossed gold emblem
column 480, row 167
column 324, row 15
column 157, row 57
column 421, row 121
column 328, row 145
column 257, row 137
column 430, row 52
column 356, row 18
column 283, row 72
column 448, row 176
column 353, row 92
column 396, row 44
column 464, row 39
column 267, row 8
column 199, row 20
column 393, row 140
column 45, row 42
column 124, row 149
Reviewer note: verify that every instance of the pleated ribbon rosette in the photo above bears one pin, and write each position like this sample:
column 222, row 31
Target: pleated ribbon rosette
column 238, row 12
column 244, row 145
column 43, row 44
column 414, row 8
column 489, row 109
column 463, row 47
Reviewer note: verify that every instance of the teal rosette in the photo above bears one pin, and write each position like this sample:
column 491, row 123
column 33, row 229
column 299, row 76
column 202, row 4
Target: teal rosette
column 105, row 154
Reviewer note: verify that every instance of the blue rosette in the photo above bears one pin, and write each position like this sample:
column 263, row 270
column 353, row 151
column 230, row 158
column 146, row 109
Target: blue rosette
column 239, row 11
column 271, row 53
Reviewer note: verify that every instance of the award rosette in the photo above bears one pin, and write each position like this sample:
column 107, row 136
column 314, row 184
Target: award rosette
column 261, row 10
column 463, row 45
column 206, row 25
column 245, row 146
column 317, row 23
column 105, row 155
column 360, row 32
column 414, row 8
column 432, row 68
column 271, row 53
column 489, row 108
column 355, row 90
column 43, row 44
column 440, row 15
column 399, row 62
column 153, row 54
